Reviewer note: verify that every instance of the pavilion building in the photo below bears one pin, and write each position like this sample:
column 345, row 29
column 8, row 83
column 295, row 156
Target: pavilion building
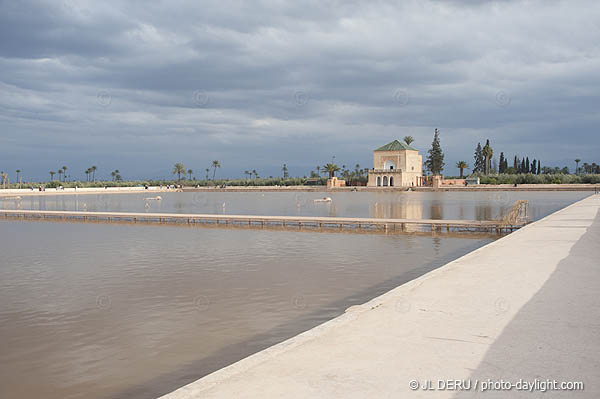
column 396, row 164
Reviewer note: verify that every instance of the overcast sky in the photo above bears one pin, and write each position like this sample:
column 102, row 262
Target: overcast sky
column 139, row 85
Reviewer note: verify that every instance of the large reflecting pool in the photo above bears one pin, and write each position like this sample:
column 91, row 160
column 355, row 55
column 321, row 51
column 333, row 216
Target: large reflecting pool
column 135, row 311
column 483, row 205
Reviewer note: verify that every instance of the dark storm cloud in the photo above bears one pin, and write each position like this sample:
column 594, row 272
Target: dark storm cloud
column 140, row 85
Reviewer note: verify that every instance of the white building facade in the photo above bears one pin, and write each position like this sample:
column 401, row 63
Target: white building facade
column 396, row 164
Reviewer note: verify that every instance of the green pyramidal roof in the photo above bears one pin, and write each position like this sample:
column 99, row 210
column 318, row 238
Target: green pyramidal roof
column 396, row 145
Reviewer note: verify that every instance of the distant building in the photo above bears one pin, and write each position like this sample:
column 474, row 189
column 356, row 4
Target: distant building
column 396, row 165
column 334, row 182
column 472, row 181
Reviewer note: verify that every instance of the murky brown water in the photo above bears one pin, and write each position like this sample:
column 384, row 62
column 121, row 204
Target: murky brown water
column 134, row 311
column 419, row 205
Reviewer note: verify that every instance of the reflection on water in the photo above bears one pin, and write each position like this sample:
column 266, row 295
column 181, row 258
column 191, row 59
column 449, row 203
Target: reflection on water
column 100, row 310
column 437, row 210
column 485, row 205
column 483, row 212
column 398, row 210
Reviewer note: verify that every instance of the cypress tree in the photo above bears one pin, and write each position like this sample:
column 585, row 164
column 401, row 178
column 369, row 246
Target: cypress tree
column 516, row 164
column 533, row 167
column 501, row 165
column 522, row 169
column 478, row 164
column 527, row 165
column 539, row 168
column 488, row 153
column 435, row 157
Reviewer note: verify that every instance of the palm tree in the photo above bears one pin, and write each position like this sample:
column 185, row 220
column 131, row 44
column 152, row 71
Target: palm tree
column 207, row 170
column 52, row 175
column 4, row 179
column 461, row 165
column 255, row 173
column 331, row 168
column 408, row 139
column 585, row 167
column 318, row 170
column 248, row 174
column 190, row 173
column 93, row 169
column 118, row 177
column 64, row 169
column 488, row 153
column 87, row 175
column 285, row 171
column 60, row 172
column 215, row 165
column 113, row 174
column 577, row 165
column 18, row 171
column 178, row 170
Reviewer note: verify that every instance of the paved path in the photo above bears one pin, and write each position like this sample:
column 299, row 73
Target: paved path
column 523, row 307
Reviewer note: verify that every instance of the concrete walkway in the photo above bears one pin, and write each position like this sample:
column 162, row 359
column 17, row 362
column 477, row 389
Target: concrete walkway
column 523, row 307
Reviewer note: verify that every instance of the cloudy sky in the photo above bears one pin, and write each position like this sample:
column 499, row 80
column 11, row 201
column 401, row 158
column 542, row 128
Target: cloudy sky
column 137, row 85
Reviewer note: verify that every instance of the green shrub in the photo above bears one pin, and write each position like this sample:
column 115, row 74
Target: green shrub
column 530, row 178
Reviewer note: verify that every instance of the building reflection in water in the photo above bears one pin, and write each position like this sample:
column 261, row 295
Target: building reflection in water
column 484, row 212
column 437, row 211
column 332, row 212
column 437, row 244
column 398, row 210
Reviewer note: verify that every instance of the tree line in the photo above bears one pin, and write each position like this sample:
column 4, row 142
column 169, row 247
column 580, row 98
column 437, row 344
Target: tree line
column 484, row 162
column 180, row 169
column 484, row 165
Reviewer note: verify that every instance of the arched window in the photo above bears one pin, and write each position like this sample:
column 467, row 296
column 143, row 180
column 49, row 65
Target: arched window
column 391, row 181
column 378, row 181
column 385, row 181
